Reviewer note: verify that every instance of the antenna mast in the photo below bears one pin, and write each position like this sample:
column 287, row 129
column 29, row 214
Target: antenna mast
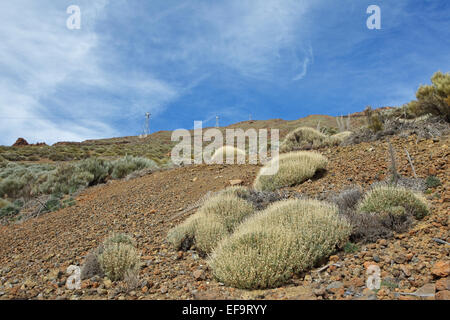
column 217, row 121
column 147, row 123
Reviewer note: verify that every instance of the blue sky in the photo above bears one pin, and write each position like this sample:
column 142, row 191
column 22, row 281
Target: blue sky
column 190, row 60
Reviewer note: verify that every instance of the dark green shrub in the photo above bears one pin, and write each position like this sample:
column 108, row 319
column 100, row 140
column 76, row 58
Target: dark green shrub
column 432, row 182
column 433, row 98
column 351, row 247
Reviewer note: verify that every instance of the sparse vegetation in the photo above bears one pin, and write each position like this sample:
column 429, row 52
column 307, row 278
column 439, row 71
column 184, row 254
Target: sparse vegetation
column 91, row 266
column 294, row 168
column 269, row 247
column 221, row 154
column 433, row 99
column 302, row 138
column 118, row 257
column 374, row 122
column 343, row 125
column 389, row 199
column 338, row 138
column 28, row 181
column 351, row 247
column 216, row 219
column 124, row 166
column 432, row 182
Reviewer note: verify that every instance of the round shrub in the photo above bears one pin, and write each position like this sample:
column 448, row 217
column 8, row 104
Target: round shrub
column 208, row 232
column 183, row 235
column 216, row 219
column 99, row 169
column 116, row 238
column 229, row 210
column 220, row 155
column 117, row 259
column 338, row 138
column 288, row 237
column 239, row 191
column 387, row 199
column 294, row 168
column 128, row 164
column 301, row 138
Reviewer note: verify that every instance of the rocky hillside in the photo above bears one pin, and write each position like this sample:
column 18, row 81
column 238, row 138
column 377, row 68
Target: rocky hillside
column 414, row 265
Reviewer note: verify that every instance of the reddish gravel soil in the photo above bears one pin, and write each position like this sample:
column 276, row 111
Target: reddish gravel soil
column 35, row 254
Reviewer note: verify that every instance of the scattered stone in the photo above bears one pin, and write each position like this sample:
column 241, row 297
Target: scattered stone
column 334, row 258
column 236, row 182
column 199, row 275
column 334, row 286
column 441, row 268
column 443, row 284
column 107, row 283
column 443, row 295
column 163, row 289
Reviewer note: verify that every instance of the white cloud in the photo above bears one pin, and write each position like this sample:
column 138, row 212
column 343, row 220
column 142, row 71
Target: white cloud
column 259, row 39
column 55, row 84
column 39, row 56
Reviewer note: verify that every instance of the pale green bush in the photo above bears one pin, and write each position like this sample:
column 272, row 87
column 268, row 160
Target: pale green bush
column 301, row 138
column 124, row 166
column 183, row 235
column 217, row 218
column 287, row 238
column 98, row 168
column 338, row 138
column 117, row 256
column 238, row 191
column 116, row 238
column 67, row 178
column 220, row 155
column 388, row 199
column 294, row 168
column 208, row 232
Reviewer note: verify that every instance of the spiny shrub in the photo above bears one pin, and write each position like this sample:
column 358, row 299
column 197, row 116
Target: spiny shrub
column 287, row 238
column 338, row 138
column 118, row 257
column 91, row 266
column 124, row 166
column 216, row 219
column 238, row 191
column 228, row 209
column 388, row 200
column 302, row 138
column 116, row 238
column 220, row 155
column 183, row 236
column 294, row 168
column 348, row 199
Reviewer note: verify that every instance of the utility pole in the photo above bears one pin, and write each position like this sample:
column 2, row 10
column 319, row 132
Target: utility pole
column 217, row 121
column 147, row 123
